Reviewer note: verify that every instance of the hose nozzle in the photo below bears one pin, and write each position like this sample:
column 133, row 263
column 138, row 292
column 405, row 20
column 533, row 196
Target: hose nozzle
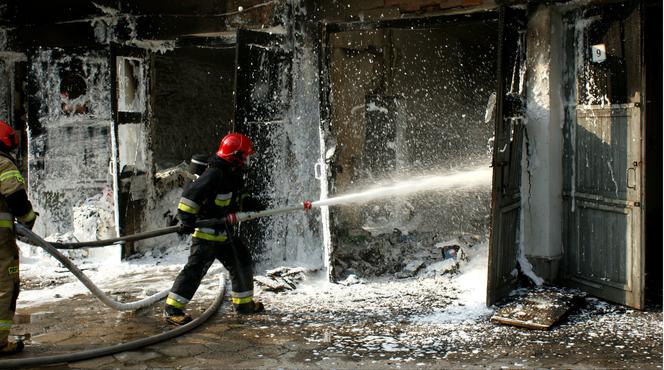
column 307, row 204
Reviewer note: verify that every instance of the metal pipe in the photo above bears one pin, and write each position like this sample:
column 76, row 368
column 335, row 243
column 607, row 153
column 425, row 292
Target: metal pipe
column 247, row 216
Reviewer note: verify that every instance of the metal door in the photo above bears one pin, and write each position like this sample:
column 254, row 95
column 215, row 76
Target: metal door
column 602, row 188
column 507, row 153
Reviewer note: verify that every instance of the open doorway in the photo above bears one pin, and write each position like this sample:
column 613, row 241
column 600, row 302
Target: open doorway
column 188, row 109
column 409, row 101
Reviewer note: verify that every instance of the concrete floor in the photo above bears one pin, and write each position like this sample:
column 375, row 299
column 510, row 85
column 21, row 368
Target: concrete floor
column 286, row 336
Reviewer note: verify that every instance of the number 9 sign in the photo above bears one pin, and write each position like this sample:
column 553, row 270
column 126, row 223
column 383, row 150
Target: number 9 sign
column 599, row 53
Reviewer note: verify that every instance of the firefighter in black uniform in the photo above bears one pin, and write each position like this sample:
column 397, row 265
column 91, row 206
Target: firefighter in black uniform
column 215, row 194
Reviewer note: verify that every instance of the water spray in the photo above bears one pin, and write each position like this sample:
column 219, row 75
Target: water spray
column 466, row 180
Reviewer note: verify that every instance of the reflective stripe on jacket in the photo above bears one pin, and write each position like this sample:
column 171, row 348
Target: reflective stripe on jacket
column 6, row 220
column 214, row 194
column 13, row 198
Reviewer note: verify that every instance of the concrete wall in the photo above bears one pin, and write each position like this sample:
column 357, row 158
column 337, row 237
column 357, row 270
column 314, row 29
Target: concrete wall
column 542, row 172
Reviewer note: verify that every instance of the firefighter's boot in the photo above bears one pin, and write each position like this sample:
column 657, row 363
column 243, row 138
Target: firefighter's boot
column 11, row 348
column 249, row 308
column 176, row 316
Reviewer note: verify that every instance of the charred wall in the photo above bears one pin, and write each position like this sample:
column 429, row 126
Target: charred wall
column 69, row 48
column 372, row 10
column 192, row 101
column 653, row 127
column 70, row 123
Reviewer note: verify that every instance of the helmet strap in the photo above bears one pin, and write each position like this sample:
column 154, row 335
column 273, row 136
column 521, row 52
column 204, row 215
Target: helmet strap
column 239, row 156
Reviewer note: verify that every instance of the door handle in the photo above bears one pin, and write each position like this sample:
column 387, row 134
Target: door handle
column 631, row 172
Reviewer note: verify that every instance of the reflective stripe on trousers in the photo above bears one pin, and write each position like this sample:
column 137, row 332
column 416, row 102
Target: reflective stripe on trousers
column 242, row 297
column 176, row 300
column 210, row 234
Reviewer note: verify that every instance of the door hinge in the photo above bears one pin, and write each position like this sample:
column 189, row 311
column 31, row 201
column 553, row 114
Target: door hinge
column 637, row 104
column 637, row 204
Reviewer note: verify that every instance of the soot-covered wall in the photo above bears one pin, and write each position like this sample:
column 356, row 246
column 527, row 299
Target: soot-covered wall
column 408, row 103
column 192, row 100
column 70, row 133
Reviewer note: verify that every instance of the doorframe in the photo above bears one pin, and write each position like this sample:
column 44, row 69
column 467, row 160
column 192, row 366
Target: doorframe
column 14, row 61
column 642, row 162
column 651, row 14
column 118, row 50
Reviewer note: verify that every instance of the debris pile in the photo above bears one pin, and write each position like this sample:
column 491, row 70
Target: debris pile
column 93, row 218
column 172, row 178
column 538, row 309
column 282, row 278
column 402, row 255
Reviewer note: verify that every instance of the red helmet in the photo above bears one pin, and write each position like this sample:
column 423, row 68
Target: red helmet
column 235, row 148
column 8, row 136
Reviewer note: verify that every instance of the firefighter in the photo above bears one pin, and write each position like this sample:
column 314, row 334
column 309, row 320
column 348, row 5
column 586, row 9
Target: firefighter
column 14, row 203
column 215, row 194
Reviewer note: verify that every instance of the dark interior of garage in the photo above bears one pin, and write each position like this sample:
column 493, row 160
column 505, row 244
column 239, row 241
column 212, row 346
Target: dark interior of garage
column 409, row 102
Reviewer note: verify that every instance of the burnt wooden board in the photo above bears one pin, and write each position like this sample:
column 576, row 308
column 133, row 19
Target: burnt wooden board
column 538, row 309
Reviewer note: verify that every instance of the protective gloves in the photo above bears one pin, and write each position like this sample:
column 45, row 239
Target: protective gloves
column 186, row 227
column 30, row 224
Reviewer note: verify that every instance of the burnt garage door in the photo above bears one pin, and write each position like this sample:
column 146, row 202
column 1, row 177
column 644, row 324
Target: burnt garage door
column 603, row 250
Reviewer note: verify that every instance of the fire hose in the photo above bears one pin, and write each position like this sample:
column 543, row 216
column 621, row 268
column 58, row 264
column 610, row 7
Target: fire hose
column 139, row 343
column 232, row 218
column 109, row 350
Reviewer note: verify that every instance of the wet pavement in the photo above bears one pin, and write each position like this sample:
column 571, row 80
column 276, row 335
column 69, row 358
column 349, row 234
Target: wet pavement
column 386, row 330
